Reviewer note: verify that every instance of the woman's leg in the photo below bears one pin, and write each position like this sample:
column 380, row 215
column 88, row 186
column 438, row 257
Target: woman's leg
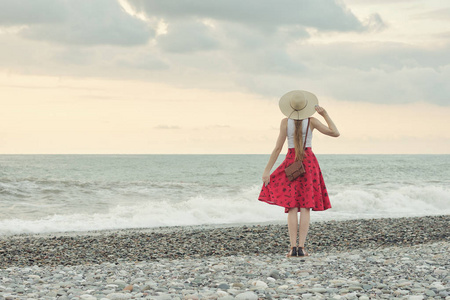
column 292, row 225
column 304, row 226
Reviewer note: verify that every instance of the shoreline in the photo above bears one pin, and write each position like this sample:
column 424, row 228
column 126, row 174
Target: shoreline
column 152, row 244
column 171, row 228
column 121, row 231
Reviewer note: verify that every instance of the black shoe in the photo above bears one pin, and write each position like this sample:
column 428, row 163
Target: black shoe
column 301, row 251
column 292, row 252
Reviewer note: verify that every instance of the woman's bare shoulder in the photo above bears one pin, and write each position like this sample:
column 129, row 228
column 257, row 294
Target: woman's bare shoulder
column 314, row 120
column 314, row 123
column 283, row 124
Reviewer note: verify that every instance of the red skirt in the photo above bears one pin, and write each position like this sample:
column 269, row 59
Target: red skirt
column 307, row 191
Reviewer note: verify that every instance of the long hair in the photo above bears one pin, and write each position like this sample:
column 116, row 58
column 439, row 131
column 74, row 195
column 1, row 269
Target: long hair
column 298, row 139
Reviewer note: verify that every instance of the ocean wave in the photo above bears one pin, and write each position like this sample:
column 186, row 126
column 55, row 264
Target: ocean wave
column 25, row 185
column 403, row 199
column 243, row 207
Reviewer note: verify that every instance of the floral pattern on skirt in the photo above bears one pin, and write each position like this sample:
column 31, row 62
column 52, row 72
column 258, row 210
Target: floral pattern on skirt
column 307, row 191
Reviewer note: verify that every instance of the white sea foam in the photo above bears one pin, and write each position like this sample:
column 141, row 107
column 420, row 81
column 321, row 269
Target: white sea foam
column 243, row 207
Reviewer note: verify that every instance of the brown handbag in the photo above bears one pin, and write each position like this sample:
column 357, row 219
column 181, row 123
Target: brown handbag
column 297, row 168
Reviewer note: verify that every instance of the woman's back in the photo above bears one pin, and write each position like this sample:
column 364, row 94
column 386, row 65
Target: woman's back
column 291, row 132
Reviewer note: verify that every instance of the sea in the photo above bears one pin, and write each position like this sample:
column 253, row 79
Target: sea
column 79, row 193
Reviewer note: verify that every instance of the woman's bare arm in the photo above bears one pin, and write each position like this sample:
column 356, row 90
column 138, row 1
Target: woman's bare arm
column 276, row 151
column 330, row 130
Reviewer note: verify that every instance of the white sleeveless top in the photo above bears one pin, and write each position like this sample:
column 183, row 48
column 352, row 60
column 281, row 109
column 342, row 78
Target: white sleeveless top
column 291, row 131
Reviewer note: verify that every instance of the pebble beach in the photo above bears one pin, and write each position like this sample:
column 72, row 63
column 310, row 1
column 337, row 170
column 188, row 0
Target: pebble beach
column 404, row 258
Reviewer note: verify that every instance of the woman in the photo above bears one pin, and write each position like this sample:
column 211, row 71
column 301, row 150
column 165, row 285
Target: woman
column 307, row 191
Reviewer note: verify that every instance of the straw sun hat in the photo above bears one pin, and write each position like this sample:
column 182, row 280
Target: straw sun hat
column 298, row 104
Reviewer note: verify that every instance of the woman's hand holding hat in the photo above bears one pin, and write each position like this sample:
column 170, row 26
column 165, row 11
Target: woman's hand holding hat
column 320, row 110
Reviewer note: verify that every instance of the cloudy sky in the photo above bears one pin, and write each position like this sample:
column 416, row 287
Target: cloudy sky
column 198, row 76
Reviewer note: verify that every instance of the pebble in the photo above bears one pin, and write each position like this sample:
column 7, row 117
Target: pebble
column 224, row 286
column 318, row 290
column 128, row 288
column 247, row 296
column 260, row 284
column 118, row 296
column 360, row 273
column 274, row 274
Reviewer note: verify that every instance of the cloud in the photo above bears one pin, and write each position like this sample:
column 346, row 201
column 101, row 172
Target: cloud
column 384, row 2
column 321, row 14
column 269, row 60
column 252, row 37
column 140, row 60
column 81, row 22
column 20, row 12
column 375, row 23
column 405, row 85
column 164, row 127
column 386, row 56
column 208, row 25
column 218, row 126
column 372, row 72
column 401, row 86
column 261, row 47
column 185, row 37
column 438, row 14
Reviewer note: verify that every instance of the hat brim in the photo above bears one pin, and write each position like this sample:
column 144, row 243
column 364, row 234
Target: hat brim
column 308, row 111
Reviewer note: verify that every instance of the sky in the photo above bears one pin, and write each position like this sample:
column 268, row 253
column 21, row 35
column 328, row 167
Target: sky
column 205, row 77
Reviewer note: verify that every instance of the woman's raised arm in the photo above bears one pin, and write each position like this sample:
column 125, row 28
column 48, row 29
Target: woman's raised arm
column 331, row 129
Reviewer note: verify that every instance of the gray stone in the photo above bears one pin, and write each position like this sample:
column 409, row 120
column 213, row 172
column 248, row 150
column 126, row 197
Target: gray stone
column 247, row 296
column 351, row 296
column 260, row 284
column 444, row 294
column 237, row 285
column 120, row 283
column 274, row 274
column 163, row 296
column 146, row 288
column 118, row 296
column 416, row 297
column 139, row 280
